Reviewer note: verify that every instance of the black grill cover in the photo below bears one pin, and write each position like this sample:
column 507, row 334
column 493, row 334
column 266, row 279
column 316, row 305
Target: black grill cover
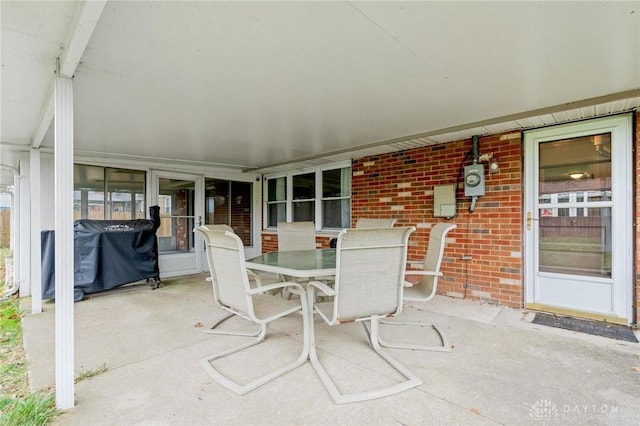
column 107, row 254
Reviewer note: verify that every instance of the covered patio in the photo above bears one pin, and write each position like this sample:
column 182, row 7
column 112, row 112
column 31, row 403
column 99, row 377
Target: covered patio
column 253, row 92
column 503, row 369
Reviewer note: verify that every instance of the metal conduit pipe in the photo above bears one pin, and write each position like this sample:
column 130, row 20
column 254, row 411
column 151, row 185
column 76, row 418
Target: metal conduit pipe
column 475, row 148
column 14, row 286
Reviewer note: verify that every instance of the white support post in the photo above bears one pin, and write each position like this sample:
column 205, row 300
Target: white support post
column 36, row 263
column 24, row 188
column 64, row 309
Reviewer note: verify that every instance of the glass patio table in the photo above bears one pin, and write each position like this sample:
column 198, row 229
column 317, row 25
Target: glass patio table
column 296, row 263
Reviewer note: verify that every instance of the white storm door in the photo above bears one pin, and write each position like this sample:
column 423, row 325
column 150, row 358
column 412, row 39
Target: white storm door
column 180, row 197
column 578, row 218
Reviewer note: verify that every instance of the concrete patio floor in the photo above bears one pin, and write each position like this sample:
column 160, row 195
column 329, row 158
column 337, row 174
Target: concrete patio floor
column 502, row 370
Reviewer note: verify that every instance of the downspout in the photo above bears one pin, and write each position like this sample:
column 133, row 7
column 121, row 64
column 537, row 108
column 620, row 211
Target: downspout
column 13, row 228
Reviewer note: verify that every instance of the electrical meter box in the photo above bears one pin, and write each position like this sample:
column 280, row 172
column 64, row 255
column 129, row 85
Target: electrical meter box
column 444, row 200
column 474, row 180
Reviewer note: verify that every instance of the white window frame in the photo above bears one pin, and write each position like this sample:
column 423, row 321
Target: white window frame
column 289, row 193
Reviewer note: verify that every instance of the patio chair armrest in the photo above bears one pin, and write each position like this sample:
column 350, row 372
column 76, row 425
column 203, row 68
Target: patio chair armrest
column 324, row 288
column 417, row 272
column 269, row 287
column 255, row 277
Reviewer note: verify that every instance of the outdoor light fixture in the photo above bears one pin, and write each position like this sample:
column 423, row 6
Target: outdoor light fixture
column 494, row 166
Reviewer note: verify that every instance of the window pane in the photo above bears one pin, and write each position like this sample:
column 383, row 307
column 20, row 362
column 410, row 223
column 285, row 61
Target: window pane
column 122, row 190
column 336, row 213
column 304, row 186
column 88, row 194
column 277, row 213
column 576, row 242
column 304, row 211
column 216, row 209
column 336, row 183
column 141, row 211
column 240, row 208
column 122, row 187
column 229, row 203
column 95, row 205
column 334, row 198
column 277, row 189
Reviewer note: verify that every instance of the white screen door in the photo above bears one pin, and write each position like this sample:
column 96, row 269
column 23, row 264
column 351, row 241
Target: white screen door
column 578, row 218
column 180, row 199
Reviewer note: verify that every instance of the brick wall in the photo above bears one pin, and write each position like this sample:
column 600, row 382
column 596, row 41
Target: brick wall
column 400, row 185
column 270, row 241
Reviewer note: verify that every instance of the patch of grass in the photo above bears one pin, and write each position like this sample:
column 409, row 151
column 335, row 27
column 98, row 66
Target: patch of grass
column 4, row 252
column 84, row 375
column 13, row 372
column 36, row 409
column 18, row 406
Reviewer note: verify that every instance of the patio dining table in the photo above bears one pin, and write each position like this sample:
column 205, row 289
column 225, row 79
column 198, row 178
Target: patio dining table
column 296, row 263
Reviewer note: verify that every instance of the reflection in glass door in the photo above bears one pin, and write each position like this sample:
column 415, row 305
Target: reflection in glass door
column 574, row 206
column 229, row 203
column 578, row 220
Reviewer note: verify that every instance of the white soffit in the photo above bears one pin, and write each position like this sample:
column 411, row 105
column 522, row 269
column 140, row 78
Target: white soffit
column 559, row 116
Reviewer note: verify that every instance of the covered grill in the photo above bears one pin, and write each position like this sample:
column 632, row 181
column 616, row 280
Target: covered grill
column 107, row 254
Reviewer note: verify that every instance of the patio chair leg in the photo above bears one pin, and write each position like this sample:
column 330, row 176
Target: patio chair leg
column 212, row 329
column 445, row 347
column 241, row 389
column 340, row 398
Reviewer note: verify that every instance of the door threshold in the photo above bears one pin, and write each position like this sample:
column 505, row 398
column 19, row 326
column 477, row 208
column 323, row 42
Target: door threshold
column 575, row 313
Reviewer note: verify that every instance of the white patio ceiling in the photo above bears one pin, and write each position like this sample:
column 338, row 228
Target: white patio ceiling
column 268, row 86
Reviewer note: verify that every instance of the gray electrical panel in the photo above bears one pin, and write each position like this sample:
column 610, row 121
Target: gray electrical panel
column 474, row 180
column 444, row 200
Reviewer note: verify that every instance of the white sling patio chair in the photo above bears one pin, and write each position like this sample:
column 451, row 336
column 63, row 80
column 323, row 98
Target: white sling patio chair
column 233, row 294
column 253, row 278
column 367, row 223
column 425, row 290
column 218, row 227
column 296, row 236
column 368, row 286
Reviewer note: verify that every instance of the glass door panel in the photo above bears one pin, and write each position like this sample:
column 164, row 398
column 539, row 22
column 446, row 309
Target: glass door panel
column 229, row 203
column 176, row 199
column 574, row 198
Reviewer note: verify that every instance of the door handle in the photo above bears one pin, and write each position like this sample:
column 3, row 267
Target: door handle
column 530, row 220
